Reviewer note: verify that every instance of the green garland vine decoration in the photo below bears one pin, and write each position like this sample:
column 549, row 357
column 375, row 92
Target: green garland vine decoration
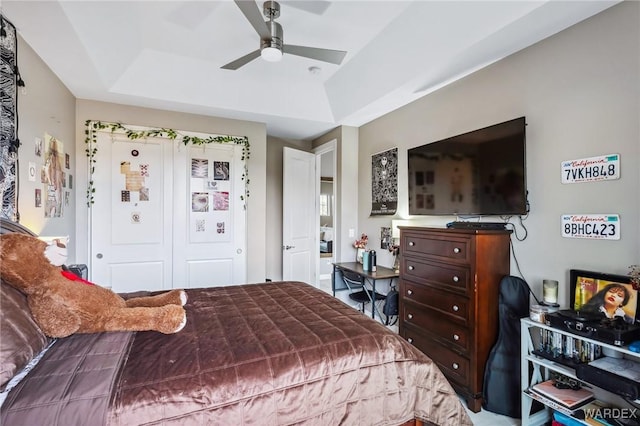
column 91, row 140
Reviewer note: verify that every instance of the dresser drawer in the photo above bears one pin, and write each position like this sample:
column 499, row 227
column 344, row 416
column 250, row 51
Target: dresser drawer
column 447, row 248
column 452, row 305
column 450, row 333
column 436, row 274
column 453, row 365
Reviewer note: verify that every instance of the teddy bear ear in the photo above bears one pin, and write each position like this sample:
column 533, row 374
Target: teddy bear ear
column 56, row 252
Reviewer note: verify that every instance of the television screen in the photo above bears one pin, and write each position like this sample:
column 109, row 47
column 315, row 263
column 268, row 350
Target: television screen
column 608, row 295
column 476, row 173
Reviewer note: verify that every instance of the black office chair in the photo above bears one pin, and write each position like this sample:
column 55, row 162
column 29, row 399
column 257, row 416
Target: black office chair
column 358, row 292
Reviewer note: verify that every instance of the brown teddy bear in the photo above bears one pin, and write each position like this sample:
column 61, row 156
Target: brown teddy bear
column 62, row 303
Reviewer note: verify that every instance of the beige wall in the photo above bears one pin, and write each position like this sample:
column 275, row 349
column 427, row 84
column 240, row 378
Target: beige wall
column 579, row 91
column 273, row 212
column 44, row 106
column 256, row 132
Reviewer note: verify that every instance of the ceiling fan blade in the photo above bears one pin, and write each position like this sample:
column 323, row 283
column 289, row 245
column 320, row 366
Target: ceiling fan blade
column 250, row 10
column 325, row 55
column 234, row 65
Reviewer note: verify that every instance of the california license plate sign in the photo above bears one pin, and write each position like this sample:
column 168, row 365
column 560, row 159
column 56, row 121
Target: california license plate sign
column 592, row 226
column 605, row 167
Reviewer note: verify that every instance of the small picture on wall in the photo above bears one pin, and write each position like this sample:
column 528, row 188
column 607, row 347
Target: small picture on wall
column 66, row 161
column 199, row 167
column 221, row 200
column 38, row 147
column 199, row 202
column 70, row 182
column 385, row 237
column 220, row 227
column 38, row 197
column 221, row 170
column 200, row 225
column 144, row 194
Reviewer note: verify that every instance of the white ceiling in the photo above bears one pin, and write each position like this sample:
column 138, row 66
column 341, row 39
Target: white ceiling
column 168, row 54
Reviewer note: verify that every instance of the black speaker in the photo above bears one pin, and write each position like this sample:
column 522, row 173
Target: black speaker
column 611, row 382
column 80, row 270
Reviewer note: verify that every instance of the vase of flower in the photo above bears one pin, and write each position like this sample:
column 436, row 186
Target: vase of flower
column 360, row 246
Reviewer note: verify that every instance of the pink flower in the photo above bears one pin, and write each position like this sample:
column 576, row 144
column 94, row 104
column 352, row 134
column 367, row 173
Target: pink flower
column 362, row 242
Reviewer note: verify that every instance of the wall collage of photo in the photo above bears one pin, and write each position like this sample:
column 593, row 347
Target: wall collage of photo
column 210, row 189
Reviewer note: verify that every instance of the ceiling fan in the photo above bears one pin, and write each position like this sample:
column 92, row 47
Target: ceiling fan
column 271, row 38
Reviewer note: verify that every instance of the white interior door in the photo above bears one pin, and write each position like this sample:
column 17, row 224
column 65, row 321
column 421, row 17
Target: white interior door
column 130, row 244
column 210, row 217
column 300, row 245
column 166, row 216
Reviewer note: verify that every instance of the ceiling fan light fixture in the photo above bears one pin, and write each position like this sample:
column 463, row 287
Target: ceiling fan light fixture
column 271, row 54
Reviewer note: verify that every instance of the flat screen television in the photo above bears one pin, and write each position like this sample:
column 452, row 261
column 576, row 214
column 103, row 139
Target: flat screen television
column 608, row 295
column 476, row 173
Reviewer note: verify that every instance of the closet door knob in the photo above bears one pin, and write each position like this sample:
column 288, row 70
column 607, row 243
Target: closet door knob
column 456, row 250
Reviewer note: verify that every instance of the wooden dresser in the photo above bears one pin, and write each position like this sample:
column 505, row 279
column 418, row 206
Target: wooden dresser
column 449, row 286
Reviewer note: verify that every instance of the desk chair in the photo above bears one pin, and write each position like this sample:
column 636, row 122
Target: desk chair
column 358, row 292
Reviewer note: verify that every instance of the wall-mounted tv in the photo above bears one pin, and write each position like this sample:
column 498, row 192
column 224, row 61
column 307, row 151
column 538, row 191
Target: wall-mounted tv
column 476, row 173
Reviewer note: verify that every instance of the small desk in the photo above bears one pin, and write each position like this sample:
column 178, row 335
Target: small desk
column 381, row 273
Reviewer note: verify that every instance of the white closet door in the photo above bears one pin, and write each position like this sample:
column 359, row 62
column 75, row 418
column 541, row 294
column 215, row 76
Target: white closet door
column 166, row 215
column 130, row 241
column 210, row 216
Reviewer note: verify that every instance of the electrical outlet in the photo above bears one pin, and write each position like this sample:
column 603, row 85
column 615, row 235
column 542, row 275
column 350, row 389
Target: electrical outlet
column 352, row 232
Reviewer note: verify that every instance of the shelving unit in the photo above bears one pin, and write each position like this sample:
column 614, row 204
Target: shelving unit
column 535, row 369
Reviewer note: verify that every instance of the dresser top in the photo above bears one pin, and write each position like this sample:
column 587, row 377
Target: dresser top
column 446, row 230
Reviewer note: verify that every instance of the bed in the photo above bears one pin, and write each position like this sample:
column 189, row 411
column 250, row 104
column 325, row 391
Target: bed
column 264, row 354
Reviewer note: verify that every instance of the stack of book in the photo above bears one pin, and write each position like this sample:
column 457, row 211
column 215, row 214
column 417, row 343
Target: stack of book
column 563, row 399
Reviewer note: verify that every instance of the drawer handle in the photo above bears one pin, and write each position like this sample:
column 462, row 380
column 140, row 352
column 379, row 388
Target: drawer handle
column 456, row 250
column 409, row 292
column 411, row 268
column 411, row 244
column 455, row 365
column 455, row 308
column 456, row 337
column 456, row 279
column 410, row 316
column 410, row 340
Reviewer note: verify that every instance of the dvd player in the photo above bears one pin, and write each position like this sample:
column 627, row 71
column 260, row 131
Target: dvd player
column 499, row 226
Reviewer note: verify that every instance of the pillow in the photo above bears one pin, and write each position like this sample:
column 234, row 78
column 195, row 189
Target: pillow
column 22, row 339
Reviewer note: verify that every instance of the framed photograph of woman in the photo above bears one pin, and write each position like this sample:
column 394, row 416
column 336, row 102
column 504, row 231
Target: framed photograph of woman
column 609, row 295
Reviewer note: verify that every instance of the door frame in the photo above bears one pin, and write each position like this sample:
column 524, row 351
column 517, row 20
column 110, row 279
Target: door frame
column 319, row 151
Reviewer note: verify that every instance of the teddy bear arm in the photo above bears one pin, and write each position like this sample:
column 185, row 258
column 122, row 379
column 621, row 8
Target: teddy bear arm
column 173, row 297
column 165, row 319
column 54, row 318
